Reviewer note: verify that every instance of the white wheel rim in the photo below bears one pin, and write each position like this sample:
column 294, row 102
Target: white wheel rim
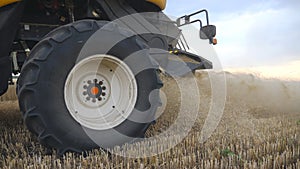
column 100, row 92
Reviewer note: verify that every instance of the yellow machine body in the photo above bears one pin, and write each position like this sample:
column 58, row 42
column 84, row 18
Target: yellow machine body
column 160, row 3
column 7, row 2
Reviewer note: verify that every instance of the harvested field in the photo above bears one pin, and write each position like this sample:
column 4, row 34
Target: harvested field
column 260, row 128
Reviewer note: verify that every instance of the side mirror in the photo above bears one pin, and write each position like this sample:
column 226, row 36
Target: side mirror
column 208, row 32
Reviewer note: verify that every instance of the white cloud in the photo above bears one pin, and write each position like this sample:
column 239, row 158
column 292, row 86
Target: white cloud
column 251, row 33
column 258, row 38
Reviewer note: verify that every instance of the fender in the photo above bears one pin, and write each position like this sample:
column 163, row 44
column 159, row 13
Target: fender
column 7, row 2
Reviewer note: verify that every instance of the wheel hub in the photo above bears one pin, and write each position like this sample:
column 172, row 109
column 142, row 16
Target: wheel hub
column 100, row 92
column 95, row 90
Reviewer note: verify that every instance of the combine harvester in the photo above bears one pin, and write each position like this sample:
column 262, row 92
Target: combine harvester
column 87, row 66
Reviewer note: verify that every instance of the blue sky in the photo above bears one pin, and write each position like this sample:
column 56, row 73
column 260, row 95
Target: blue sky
column 250, row 33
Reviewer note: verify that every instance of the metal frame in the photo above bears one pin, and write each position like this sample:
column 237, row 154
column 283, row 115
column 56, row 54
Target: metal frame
column 96, row 9
column 188, row 17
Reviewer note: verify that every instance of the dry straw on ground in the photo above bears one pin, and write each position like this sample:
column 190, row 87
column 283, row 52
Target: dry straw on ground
column 260, row 128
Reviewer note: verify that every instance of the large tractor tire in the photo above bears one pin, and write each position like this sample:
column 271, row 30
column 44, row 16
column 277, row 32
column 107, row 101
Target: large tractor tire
column 77, row 102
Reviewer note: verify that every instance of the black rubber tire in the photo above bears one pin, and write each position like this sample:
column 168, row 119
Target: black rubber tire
column 41, row 88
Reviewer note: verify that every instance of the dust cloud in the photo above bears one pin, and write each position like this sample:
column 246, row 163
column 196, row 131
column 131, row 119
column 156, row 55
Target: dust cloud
column 262, row 96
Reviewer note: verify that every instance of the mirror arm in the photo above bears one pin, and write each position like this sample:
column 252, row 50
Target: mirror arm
column 198, row 20
column 187, row 18
column 206, row 15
